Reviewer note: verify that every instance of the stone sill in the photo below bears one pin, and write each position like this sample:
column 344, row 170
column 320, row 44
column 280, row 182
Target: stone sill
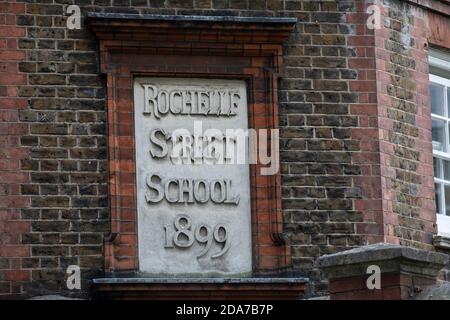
column 192, row 18
column 199, row 280
column 391, row 258
column 441, row 242
column 198, row 288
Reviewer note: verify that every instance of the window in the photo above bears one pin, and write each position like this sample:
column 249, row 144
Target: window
column 440, row 114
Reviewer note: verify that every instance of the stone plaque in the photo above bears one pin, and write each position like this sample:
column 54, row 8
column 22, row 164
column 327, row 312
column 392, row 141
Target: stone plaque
column 193, row 189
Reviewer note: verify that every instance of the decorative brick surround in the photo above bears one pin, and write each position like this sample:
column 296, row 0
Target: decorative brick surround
column 200, row 47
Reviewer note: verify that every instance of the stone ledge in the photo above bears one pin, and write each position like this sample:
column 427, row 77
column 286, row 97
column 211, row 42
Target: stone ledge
column 53, row 297
column 199, row 280
column 389, row 257
column 198, row 288
column 441, row 242
column 380, row 251
column 191, row 18
column 190, row 29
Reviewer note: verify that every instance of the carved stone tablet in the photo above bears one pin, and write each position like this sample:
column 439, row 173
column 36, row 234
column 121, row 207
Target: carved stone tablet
column 193, row 186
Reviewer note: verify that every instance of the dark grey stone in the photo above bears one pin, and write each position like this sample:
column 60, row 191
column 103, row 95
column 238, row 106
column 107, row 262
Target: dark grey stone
column 389, row 257
column 191, row 18
column 379, row 252
column 439, row 292
column 198, row 280
column 441, row 242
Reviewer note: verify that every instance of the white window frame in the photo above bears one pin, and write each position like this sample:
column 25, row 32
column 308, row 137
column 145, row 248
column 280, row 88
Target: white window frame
column 442, row 61
column 446, row 117
column 439, row 59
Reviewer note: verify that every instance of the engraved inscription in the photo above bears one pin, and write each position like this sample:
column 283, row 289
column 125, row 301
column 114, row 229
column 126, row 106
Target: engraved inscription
column 161, row 102
column 190, row 191
column 184, row 236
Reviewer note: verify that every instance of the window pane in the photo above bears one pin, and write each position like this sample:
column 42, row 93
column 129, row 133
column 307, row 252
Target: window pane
column 437, row 99
column 448, row 98
column 437, row 167
column 438, row 134
column 437, row 188
column 446, row 170
column 447, row 200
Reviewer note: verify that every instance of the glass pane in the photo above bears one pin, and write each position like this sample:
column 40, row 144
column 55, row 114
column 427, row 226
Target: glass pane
column 437, row 99
column 446, row 169
column 448, row 98
column 437, row 188
column 447, row 200
column 437, row 167
column 438, row 134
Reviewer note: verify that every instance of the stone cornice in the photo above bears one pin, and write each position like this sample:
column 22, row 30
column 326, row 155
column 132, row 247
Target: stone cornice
column 223, row 29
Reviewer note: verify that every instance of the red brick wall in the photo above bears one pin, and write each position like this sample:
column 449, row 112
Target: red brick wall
column 52, row 212
column 12, row 154
column 405, row 126
column 366, row 135
column 395, row 125
column 393, row 286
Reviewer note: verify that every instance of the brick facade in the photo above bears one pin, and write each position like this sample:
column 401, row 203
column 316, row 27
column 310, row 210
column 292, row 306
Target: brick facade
column 405, row 126
column 355, row 147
